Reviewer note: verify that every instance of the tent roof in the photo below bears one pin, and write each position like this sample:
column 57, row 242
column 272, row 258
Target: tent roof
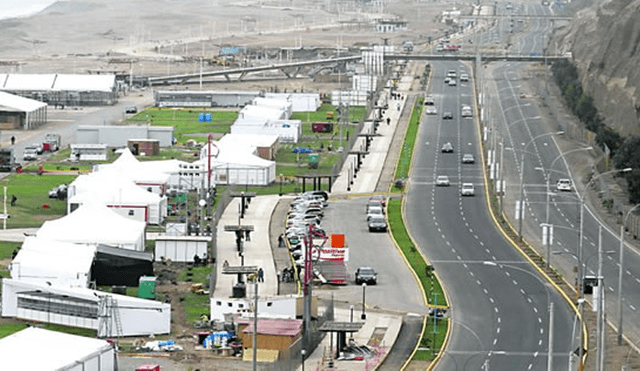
column 238, row 154
column 93, row 223
column 46, row 82
column 248, row 140
column 261, row 112
column 134, row 170
column 16, row 103
column 109, row 186
column 41, row 258
column 55, row 350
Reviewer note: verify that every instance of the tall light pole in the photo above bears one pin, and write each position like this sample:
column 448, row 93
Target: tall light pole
column 521, row 201
column 546, row 237
column 624, row 223
column 364, row 289
column 581, row 216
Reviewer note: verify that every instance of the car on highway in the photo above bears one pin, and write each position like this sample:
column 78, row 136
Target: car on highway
column 447, row 148
column 447, row 116
column 383, row 201
column 466, row 111
column 377, row 223
column 431, row 110
column 429, row 101
column 447, row 80
column 452, row 82
column 374, row 211
column 468, row 158
column 464, row 77
column 564, row 185
column 442, row 181
column 366, row 275
column 467, row 189
column 452, row 73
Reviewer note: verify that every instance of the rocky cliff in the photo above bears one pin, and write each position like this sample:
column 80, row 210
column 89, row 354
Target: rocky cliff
column 604, row 40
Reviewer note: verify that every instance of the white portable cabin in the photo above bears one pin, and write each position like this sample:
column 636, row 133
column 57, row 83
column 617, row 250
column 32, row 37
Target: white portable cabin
column 88, row 152
column 94, row 223
column 289, row 131
column 85, row 308
column 51, row 262
column 284, row 105
column 181, row 248
column 238, row 165
column 56, row 351
column 118, row 193
column 301, row 102
column 253, row 112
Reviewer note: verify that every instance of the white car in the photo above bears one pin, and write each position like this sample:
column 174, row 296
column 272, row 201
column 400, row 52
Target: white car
column 431, row 110
column 468, row 158
column 374, row 211
column 464, row 77
column 564, row 185
column 466, row 111
column 452, row 82
column 442, row 181
column 467, row 189
column 451, row 73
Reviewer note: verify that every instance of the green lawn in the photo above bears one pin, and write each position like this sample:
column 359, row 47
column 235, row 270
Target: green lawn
column 34, row 206
column 432, row 335
column 428, row 280
column 195, row 305
column 404, row 162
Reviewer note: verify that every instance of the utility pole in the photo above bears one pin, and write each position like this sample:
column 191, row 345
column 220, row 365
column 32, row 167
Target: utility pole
column 255, row 329
column 550, row 351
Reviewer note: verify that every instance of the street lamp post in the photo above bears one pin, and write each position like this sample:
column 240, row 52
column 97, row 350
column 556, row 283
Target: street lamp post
column 546, row 237
column 521, row 201
column 281, row 184
column 624, row 223
column 581, row 217
column 302, row 354
column 363, row 316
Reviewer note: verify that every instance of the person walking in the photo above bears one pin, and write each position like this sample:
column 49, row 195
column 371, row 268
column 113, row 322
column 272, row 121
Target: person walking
column 260, row 275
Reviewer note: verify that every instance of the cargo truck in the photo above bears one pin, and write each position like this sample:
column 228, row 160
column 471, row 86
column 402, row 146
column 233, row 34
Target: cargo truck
column 52, row 142
column 7, row 159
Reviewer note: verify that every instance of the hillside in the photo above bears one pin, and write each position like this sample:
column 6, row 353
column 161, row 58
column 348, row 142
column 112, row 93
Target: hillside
column 605, row 42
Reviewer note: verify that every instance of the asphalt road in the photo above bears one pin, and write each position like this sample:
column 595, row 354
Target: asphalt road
column 500, row 305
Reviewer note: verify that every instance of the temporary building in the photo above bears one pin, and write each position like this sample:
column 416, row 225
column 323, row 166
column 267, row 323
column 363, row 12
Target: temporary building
column 301, row 102
column 284, row 105
column 238, row 165
column 289, row 131
column 148, row 177
column 181, row 248
column 262, row 113
column 94, row 223
column 21, row 113
column 118, row 193
column 264, row 146
column 56, row 351
column 109, row 314
column 54, row 263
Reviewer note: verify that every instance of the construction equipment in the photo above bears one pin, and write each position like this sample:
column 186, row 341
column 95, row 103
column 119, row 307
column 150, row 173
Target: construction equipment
column 198, row 288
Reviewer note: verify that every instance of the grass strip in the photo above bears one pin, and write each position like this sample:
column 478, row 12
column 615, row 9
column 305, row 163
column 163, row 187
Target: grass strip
column 404, row 162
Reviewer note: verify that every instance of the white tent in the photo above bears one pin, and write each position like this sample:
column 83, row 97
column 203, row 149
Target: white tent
column 58, row 263
column 148, row 177
column 55, row 351
column 262, row 113
column 93, row 223
column 231, row 164
column 109, row 314
column 284, row 105
column 122, row 195
column 301, row 102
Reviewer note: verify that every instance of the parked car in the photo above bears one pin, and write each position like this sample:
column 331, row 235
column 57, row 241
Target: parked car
column 366, row 275
column 30, row 154
column 374, row 211
column 467, row 189
column 442, row 181
column 447, row 116
column 468, row 158
column 382, row 200
column 447, row 148
column 59, row 192
column 377, row 223
column 374, row 203
column 564, row 185
column 131, row 110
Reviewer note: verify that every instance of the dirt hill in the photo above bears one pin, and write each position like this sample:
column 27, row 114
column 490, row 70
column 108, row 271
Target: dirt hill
column 604, row 40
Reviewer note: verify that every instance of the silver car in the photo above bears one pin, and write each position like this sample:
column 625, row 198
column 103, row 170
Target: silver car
column 467, row 189
column 442, row 181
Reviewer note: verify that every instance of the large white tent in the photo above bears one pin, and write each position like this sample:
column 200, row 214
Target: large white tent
column 118, row 193
column 109, row 314
column 148, row 177
column 56, row 263
column 231, row 164
column 55, row 351
column 93, row 223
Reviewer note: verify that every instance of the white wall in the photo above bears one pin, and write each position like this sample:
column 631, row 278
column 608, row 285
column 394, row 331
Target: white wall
column 180, row 248
column 281, row 306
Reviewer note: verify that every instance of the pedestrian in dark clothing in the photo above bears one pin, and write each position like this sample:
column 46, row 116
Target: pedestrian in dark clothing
column 13, row 140
column 260, row 275
column 14, row 199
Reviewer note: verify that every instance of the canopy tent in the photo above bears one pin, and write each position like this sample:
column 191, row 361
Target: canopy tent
column 56, row 351
column 93, row 223
column 150, row 178
column 231, row 164
column 56, row 263
column 122, row 195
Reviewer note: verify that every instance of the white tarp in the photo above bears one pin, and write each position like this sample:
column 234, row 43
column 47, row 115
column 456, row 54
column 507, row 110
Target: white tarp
column 93, row 223
column 85, row 308
column 59, row 263
column 55, row 351
column 119, row 193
